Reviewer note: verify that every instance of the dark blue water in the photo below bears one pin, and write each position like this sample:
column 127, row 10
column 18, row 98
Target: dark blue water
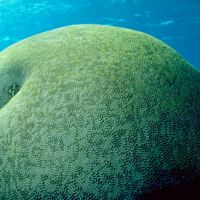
column 175, row 22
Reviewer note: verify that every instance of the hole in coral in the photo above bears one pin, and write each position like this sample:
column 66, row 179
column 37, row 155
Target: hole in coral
column 13, row 90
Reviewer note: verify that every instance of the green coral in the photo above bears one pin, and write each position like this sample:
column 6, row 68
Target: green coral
column 100, row 113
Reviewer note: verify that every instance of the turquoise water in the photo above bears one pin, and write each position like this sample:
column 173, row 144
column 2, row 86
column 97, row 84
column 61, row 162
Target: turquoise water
column 175, row 22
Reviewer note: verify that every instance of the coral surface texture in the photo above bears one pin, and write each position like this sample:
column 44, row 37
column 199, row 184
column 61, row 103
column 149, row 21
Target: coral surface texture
column 97, row 112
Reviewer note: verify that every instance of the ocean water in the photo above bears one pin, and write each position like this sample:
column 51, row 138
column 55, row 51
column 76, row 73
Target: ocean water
column 175, row 22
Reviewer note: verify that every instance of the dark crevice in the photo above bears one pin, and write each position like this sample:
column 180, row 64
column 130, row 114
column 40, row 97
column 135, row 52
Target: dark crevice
column 13, row 90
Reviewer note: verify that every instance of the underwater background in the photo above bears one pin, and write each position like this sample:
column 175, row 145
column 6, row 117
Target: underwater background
column 175, row 22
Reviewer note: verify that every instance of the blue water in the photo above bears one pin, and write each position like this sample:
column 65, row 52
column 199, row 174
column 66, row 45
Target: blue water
column 175, row 22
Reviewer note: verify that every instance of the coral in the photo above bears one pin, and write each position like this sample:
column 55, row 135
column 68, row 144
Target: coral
column 96, row 112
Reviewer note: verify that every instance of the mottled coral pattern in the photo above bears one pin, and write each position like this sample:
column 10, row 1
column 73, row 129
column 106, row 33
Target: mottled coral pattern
column 100, row 113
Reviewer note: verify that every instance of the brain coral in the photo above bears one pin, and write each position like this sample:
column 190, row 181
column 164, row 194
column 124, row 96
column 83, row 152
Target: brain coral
column 97, row 112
